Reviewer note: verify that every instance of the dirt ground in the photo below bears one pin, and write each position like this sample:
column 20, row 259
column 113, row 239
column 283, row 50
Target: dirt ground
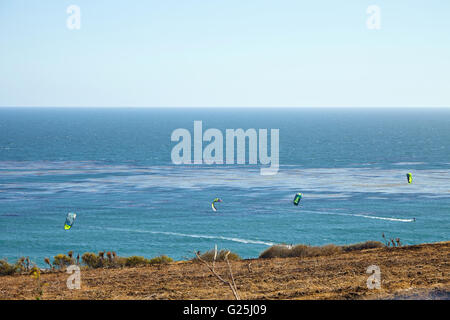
column 410, row 272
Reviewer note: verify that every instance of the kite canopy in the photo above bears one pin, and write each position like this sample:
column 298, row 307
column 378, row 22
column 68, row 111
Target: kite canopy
column 409, row 177
column 297, row 198
column 214, row 201
column 70, row 219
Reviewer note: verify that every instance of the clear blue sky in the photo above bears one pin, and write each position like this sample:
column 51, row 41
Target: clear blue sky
column 225, row 53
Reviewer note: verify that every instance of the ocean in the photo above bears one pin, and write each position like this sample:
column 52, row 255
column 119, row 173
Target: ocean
column 113, row 168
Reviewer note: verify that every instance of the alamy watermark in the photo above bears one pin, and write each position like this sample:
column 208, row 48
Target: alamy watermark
column 374, row 20
column 74, row 280
column 374, row 281
column 213, row 153
column 74, row 20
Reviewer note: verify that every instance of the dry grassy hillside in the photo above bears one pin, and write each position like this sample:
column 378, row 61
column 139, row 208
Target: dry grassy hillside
column 420, row 271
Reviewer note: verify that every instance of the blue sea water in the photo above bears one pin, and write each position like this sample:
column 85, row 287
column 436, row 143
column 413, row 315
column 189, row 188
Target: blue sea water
column 113, row 168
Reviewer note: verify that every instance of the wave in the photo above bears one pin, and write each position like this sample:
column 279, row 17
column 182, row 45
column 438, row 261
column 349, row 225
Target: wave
column 360, row 215
column 323, row 182
column 408, row 163
column 383, row 218
column 247, row 241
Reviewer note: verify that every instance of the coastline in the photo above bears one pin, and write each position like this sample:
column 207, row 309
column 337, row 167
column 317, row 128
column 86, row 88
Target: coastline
column 407, row 272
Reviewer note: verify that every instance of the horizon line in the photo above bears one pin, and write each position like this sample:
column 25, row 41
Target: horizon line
column 233, row 107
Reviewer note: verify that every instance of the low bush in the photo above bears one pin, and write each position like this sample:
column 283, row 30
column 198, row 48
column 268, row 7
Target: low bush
column 136, row 261
column 93, row 260
column 209, row 256
column 7, row 269
column 90, row 259
column 363, row 246
column 61, row 260
column 161, row 260
column 301, row 250
column 22, row 265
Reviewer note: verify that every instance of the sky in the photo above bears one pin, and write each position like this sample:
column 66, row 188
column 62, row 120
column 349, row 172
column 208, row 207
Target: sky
column 225, row 53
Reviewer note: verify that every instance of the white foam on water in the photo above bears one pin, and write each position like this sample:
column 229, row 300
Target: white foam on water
column 407, row 163
column 323, row 182
column 247, row 241
column 383, row 218
column 360, row 215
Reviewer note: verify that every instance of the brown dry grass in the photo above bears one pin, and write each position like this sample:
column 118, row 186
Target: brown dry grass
column 406, row 272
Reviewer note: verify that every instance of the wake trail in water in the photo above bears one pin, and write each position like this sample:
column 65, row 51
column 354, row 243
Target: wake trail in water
column 193, row 236
column 360, row 215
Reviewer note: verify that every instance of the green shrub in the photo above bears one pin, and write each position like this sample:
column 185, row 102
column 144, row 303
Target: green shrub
column 209, row 256
column 278, row 251
column 61, row 260
column 7, row 269
column 117, row 262
column 363, row 246
column 301, row 250
column 326, row 250
column 136, row 261
column 112, row 260
column 161, row 260
column 23, row 264
column 91, row 260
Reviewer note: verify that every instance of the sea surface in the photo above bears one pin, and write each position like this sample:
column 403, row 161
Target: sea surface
column 113, row 168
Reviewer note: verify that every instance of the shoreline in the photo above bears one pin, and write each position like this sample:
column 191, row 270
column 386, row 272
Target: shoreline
column 407, row 272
